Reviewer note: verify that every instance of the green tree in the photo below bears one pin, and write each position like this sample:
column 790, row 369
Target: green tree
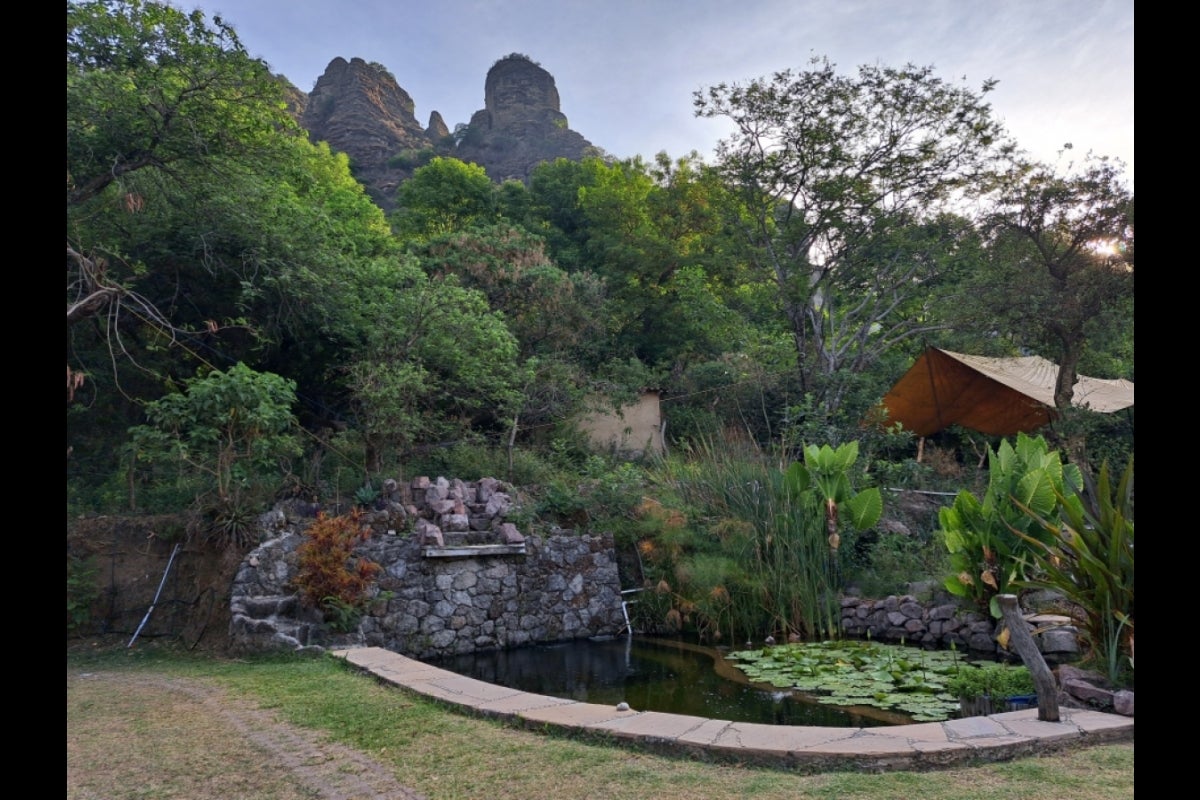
column 548, row 310
column 436, row 361
column 150, row 89
column 828, row 169
column 655, row 234
column 1062, row 271
column 553, row 210
column 556, row 317
column 231, row 429
column 444, row 196
column 203, row 228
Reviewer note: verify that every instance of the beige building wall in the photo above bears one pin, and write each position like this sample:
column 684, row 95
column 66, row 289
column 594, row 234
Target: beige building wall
column 637, row 430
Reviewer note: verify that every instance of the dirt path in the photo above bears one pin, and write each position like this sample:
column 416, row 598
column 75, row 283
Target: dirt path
column 187, row 738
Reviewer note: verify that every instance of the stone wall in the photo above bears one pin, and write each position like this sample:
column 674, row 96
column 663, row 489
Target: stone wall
column 941, row 623
column 456, row 578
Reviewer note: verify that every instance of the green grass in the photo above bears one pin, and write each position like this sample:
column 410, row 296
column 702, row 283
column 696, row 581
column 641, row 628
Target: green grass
column 442, row 753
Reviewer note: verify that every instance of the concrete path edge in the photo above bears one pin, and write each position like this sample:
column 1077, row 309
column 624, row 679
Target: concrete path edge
column 920, row 746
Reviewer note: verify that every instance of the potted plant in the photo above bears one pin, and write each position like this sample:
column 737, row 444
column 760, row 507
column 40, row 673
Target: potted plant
column 991, row 688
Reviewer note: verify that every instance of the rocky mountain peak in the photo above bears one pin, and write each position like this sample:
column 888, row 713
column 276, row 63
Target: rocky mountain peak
column 516, row 89
column 521, row 124
column 360, row 109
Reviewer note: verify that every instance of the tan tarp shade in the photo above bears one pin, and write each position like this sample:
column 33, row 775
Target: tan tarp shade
column 996, row 396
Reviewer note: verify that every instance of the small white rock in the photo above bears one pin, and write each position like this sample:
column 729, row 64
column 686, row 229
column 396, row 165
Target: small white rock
column 622, row 706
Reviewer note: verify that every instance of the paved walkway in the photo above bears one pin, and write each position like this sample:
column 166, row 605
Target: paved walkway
column 917, row 746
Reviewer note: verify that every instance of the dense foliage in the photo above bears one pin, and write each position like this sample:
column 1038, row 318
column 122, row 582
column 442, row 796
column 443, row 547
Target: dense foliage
column 746, row 545
column 1086, row 555
column 242, row 319
column 989, row 539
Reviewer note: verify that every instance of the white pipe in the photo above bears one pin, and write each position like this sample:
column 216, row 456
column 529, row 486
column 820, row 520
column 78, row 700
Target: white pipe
column 161, row 583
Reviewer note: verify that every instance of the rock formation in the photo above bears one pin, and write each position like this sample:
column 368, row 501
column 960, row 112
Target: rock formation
column 360, row 109
column 520, row 125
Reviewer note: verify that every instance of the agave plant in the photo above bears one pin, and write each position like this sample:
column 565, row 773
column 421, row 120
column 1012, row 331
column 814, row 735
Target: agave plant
column 1088, row 558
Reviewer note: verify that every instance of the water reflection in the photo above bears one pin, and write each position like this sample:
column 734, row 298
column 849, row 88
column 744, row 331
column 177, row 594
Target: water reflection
column 655, row 674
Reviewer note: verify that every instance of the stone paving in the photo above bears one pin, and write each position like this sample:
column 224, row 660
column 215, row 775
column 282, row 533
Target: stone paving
column 917, row 746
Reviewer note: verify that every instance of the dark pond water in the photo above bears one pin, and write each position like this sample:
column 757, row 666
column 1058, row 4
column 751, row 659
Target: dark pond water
column 656, row 674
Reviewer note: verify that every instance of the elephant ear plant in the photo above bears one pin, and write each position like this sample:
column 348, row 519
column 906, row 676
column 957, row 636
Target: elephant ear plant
column 827, row 471
column 1085, row 553
column 990, row 540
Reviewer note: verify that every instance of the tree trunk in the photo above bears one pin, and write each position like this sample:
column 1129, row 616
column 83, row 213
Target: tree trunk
column 1026, row 647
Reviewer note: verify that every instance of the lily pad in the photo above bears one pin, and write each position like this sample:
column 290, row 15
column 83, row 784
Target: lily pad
column 848, row 673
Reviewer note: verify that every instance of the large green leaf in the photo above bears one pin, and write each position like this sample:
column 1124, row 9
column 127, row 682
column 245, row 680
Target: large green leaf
column 866, row 508
column 1035, row 490
column 798, row 478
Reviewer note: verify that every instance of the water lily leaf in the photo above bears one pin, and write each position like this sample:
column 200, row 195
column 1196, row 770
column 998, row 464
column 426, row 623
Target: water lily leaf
column 848, row 673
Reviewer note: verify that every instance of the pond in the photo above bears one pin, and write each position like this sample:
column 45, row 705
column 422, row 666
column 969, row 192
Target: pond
column 657, row 674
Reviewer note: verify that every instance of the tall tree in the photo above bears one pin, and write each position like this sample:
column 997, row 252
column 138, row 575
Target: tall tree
column 203, row 228
column 656, row 236
column 436, row 360
column 829, row 168
column 1062, row 260
column 149, row 89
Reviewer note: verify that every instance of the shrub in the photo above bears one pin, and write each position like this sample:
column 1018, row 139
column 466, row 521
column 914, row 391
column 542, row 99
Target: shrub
column 991, row 680
column 893, row 561
column 329, row 576
column 988, row 540
column 223, row 436
column 1089, row 560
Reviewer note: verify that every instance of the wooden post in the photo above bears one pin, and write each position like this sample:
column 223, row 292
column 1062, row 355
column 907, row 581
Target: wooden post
column 1022, row 641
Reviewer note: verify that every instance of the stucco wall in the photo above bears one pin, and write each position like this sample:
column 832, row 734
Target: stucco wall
column 637, row 429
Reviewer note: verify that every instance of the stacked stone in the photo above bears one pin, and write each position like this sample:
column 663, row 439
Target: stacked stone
column 445, row 513
column 940, row 624
column 558, row 588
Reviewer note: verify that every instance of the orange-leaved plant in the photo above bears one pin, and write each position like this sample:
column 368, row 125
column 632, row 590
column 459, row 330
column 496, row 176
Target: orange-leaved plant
column 329, row 575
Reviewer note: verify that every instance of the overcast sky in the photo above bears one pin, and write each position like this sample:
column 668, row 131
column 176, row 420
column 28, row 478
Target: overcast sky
column 626, row 69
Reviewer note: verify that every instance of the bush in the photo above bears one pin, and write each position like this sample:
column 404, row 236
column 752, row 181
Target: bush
column 892, row 561
column 989, row 540
column 329, row 576
column 223, row 436
column 1089, row 560
column 991, row 680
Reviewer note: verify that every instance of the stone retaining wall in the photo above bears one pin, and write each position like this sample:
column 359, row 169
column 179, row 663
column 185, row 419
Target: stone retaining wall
column 477, row 585
column 459, row 577
column 941, row 623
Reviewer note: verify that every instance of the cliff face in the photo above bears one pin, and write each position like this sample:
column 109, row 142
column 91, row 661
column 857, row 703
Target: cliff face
column 520, row 125
column 360, row 109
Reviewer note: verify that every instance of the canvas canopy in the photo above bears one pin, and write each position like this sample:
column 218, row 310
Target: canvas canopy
column 995, row 396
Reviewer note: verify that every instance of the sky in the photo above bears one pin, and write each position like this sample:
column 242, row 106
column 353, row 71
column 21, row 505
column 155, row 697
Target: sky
column 626, row 70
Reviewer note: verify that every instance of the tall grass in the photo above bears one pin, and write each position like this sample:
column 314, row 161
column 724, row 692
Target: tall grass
column 753, row 559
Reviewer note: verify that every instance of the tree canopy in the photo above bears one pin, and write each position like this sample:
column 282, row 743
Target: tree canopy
column 828, row 168
column 850, row 219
